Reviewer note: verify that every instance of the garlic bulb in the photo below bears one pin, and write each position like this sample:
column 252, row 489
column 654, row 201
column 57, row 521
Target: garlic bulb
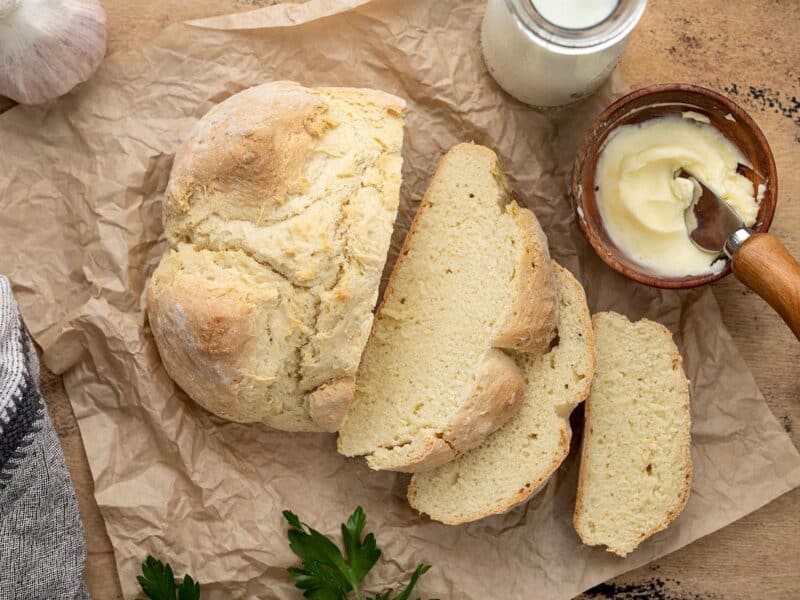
column 47, row 47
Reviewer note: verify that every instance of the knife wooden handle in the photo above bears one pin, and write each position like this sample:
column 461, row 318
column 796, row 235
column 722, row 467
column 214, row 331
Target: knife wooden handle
column 765, row 266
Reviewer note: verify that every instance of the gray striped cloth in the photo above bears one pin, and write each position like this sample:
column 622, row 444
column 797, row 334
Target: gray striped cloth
column 42, row 548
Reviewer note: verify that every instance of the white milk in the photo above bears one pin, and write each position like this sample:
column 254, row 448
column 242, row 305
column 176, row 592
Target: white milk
column 575, row 14
column 553, row 52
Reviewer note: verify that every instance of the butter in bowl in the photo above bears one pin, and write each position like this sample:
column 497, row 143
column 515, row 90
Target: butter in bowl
column 651, row 161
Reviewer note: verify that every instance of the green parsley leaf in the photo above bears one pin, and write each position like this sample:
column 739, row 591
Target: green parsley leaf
column 325, row 574
column 189, row 590
column 418, row 572
column 361, row 556
column 157, row 580
column 320, row 582
column 406, row 593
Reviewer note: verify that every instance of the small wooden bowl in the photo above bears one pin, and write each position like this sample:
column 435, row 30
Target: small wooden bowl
column 657, row 101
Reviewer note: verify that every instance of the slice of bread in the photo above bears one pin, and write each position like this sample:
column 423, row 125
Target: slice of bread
column 514, row 462
column 636, row 467
column 474, row 275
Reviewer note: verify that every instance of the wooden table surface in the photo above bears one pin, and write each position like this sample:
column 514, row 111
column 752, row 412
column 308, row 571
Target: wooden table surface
column 748, row 50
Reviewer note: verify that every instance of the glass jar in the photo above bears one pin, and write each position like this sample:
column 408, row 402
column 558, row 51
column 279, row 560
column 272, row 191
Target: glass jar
column 545, row 64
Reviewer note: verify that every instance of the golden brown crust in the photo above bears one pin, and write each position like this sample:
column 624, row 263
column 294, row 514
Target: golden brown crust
column 328, row 403
column 435, row 453
column 495, row 398
column 199, row 329
column 532, row 323
column 578, row 514
column 254, row 145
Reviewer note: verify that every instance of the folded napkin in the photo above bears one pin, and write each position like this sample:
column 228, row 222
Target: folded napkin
column 42, row 547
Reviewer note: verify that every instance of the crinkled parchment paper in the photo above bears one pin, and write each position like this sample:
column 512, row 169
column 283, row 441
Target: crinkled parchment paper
column 81, row 183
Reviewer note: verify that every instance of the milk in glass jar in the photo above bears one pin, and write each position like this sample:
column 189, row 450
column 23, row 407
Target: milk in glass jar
column 553, row 52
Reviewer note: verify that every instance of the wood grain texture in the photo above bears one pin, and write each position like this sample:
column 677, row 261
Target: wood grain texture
column 765, row 266
column 747, row 50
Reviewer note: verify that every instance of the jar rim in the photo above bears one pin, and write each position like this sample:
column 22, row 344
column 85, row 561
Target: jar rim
column 611, row 30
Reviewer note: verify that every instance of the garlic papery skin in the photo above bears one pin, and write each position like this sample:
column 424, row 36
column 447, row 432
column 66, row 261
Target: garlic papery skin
column 47, row 47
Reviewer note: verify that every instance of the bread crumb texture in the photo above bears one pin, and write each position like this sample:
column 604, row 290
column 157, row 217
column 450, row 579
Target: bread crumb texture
column 513, row 463
column 636, row 463
column 278, row 216
column 433, row 380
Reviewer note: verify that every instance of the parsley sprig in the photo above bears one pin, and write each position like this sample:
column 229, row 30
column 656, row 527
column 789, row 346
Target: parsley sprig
column 326, row 574
column 158, row 582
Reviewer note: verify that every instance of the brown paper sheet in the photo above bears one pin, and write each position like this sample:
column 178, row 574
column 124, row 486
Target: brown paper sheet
column 81, row 183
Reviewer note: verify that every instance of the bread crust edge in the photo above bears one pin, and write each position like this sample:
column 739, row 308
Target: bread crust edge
column 531, row 326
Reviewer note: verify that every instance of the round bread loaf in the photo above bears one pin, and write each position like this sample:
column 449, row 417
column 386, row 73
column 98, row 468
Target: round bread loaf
column 278, row 216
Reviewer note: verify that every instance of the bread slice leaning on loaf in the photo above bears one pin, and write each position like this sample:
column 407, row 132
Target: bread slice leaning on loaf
column 636, row 465
column 472, row 284
column 278, row 215
column 513, row 463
